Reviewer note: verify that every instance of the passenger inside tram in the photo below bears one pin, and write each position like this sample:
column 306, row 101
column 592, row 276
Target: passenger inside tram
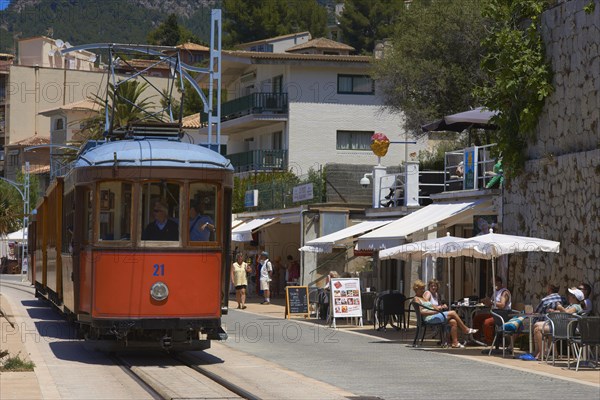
column 162, row 228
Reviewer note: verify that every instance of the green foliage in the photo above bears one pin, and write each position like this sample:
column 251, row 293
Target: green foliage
column 250, row 20
column 590, row 7
column 170, row 33
column 16, row 363
column 365, row 21
column 433, row 63
column 10, row 210
column 519, row 75
column 96, row 21
column 434, row 160
column 275, row 189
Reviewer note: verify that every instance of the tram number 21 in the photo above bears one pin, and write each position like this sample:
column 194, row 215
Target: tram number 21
column 159, row 270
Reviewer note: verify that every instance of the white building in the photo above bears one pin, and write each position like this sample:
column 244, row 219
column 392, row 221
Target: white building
column 307, row 106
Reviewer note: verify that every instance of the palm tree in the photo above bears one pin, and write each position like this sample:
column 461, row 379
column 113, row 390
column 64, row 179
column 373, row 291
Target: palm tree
column 9, row 214
column 124, row 107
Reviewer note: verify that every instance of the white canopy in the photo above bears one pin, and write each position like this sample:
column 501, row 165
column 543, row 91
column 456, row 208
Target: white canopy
column 493, row 245
column 243, row 232
column 419, row 250
column 325, row 244
column 395, row 234
column 17, row 236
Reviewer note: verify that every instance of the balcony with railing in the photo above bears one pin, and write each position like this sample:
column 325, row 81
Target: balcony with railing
column 255, row 103
column 259, row 160
column 470, row 168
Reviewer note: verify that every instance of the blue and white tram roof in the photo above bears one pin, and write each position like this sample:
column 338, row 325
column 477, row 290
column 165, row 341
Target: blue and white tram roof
column 152, row 153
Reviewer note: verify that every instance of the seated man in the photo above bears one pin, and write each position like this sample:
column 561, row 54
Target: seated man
column 587, row 292
column 551, row 301
column 162, row 228
column 501, row 301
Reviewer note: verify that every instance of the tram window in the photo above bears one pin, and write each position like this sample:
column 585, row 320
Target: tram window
column 202, row 212
column 114, row 218
column 160, row 211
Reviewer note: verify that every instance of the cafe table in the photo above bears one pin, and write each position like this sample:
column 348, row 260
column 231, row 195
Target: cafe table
column 467, row 312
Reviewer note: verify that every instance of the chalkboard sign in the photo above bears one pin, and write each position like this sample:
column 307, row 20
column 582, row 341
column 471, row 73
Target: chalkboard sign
column 296, row 300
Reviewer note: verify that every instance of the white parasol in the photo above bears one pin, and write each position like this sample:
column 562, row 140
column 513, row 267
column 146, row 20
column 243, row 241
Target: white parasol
column 492, row 245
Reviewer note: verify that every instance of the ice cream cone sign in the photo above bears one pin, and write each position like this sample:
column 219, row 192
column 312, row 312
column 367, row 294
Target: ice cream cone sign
column 379, row 144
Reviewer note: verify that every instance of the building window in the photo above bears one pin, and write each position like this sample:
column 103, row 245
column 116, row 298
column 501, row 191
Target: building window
column 355, row 84
column 262, row 48
column 59, row 124
column 354, row 140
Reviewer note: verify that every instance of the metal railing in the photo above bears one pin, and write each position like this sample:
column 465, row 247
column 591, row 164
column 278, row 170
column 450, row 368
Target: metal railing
column 259, row 160
column 393, row 188
column 470, row 168
column 255, row 103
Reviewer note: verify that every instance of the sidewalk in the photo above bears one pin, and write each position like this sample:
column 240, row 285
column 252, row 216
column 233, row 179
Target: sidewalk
column 585, row 376
column 15, row 385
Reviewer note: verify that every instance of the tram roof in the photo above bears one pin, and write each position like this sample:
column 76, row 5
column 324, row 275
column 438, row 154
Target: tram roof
column 152, row 153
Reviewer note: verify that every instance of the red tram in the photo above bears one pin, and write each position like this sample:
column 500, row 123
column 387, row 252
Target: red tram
column 97, row 256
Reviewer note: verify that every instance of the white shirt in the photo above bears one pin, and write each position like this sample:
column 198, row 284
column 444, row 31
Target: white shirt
column 265, row 268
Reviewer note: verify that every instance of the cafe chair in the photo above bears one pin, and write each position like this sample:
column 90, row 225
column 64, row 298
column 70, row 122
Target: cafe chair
column 500, row 318
column 368, row 305
column 389, row 306
column 422, row 324
column 559, row 326
column 589, row 336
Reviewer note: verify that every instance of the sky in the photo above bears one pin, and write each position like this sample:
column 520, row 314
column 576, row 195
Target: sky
column 4, row 4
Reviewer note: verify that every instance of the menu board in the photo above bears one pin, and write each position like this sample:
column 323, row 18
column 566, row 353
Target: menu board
column 345, row 293
column 296, row 300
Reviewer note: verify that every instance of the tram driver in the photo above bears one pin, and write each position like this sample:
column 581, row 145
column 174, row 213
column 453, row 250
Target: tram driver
column 162, row 228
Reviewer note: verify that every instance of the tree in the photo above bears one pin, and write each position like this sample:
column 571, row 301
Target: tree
column 170, row 33
column 520, row 77
column 10, row 210
column 127, row 104
column 250, row 20
column 363, row 22
column 432, row 65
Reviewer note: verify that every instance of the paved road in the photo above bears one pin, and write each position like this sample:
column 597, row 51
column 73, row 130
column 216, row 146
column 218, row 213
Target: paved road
column 368, row 366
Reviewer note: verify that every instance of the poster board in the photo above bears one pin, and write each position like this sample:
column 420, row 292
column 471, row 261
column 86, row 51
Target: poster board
column 346, row 300
column 296, row 301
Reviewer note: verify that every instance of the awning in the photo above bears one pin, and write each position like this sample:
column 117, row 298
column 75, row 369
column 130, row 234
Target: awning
column 17, row 236
column 243, row 232
column 395, row 234
column 325, row 244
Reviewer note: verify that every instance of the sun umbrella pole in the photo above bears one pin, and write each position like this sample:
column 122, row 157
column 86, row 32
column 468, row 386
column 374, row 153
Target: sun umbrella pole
column 493, row 282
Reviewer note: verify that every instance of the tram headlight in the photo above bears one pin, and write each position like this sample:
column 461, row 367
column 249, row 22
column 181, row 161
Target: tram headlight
column 159, row 291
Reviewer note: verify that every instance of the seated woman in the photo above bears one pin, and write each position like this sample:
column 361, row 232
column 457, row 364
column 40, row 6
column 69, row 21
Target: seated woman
column 575, row 299
column 431, row 294
column 432, row 313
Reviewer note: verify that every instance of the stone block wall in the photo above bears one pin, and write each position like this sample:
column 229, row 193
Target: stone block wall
column 558, row 195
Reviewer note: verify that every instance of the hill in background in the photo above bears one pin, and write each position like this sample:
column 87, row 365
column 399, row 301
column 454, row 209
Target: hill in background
column 99, row 21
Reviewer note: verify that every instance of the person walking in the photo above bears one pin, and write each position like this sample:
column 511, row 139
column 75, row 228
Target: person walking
column 239, row 269
column 266, row 273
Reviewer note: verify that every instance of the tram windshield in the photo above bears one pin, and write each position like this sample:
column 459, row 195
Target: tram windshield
column 160, row 211
column 202, row 212
column 114, row 222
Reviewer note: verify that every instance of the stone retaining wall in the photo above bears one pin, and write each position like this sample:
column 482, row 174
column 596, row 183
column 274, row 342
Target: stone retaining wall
column 558, row 196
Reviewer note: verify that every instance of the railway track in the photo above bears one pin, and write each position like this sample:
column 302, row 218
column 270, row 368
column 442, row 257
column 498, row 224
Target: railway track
column 13, row 285
column 174, row 376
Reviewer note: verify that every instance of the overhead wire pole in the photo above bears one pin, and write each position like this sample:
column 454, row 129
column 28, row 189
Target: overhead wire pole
column 214, row 75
